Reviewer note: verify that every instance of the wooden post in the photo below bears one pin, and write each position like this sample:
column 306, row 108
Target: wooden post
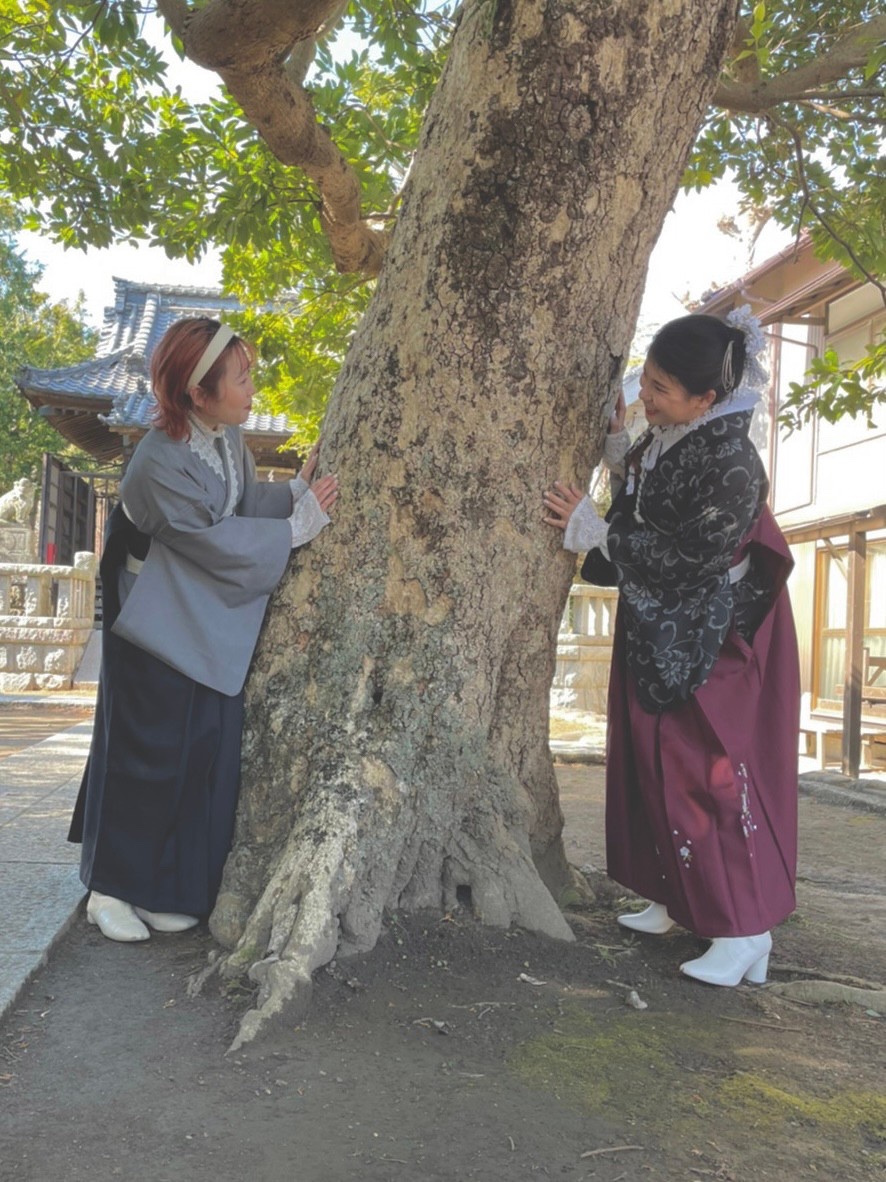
column 854, row 653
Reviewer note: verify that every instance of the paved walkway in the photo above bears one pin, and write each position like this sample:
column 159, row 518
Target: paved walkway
column 44, row 742
column 43, row 747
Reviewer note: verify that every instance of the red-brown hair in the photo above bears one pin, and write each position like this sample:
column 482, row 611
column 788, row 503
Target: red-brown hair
column 173, row 362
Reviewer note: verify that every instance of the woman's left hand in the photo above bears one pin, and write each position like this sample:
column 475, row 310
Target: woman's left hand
column 560, row 502
column 310, row 464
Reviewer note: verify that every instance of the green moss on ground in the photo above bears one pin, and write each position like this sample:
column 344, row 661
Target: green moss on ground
column 754, row 1098
column 672, row 1074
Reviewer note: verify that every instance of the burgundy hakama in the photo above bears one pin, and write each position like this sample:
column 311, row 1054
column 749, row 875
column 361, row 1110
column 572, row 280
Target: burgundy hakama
column 701, row 799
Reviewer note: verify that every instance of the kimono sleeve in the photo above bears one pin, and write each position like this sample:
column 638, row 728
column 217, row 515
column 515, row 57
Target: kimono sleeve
column 614, row 457
column 243, row 557
column 261, row 499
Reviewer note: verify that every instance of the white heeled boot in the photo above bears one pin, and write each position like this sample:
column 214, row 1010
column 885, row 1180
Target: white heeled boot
column 167, row 921
column 654, row 920
column 731, row 959
column 115, row 919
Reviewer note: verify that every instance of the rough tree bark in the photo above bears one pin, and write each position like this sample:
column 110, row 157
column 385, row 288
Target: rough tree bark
column 396, row 743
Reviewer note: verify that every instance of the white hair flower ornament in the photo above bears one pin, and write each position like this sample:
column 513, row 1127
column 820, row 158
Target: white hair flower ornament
column 756, row 374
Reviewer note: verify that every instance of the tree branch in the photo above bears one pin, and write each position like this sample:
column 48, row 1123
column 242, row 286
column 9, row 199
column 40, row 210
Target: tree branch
column 175, row 13
column 810, row 204
column 744, row 71
column 834, row 96
column 299, row 61
column 832, row 112
column 847, row 53
column 248, row 31
column 248, row 45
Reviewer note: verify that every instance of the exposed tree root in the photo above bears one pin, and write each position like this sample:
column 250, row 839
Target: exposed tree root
column 796, row 970
column 327, row 897
column 821, row 992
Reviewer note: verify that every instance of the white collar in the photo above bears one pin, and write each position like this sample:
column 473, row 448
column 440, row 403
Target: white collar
column 664, row 438
column 204, row 429
column 201, row 441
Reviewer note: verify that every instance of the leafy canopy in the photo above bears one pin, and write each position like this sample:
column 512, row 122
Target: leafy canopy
column 33, row 331
column 98, row 147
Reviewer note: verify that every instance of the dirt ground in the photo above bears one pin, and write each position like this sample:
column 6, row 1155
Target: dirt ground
column 455, row 1052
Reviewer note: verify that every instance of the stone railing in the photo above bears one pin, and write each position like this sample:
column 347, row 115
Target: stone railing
column 46, row 619
column 584, row 649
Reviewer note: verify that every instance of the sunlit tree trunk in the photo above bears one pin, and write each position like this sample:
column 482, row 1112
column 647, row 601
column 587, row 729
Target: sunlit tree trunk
column 396, row 744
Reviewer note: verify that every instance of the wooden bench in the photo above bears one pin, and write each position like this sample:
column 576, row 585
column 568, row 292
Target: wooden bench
column 826, row 724
column 820, row 728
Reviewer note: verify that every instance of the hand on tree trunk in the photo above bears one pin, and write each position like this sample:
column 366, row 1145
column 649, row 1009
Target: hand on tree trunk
column 561, row 502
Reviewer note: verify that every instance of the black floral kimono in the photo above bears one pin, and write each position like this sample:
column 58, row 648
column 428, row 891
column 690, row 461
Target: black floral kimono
column 704, row 686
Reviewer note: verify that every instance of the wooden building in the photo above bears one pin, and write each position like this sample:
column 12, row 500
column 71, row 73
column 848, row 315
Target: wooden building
column 828, row 495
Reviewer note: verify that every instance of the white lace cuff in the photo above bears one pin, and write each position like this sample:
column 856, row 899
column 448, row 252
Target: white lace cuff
column 306, row 519
column 298, row 488
column 586, row 529
column 616, row 447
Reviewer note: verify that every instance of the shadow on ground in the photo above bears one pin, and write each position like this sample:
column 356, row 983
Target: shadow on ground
column 457, row 1052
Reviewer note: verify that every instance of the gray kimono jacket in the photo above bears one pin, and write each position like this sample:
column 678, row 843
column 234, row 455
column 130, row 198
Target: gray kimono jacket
column 220, row 542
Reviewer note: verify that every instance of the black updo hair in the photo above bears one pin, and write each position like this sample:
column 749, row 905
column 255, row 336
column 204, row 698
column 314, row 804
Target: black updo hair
column 692, row 349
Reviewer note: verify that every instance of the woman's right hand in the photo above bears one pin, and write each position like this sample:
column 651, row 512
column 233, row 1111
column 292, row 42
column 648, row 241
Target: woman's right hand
column 617, row 418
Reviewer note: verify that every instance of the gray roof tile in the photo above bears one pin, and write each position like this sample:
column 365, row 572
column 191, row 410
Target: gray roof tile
column 118, row 374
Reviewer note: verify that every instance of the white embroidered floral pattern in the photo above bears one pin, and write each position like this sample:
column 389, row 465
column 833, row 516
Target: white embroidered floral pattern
column 698, row 503
column 684, row 850
column 748, row 826
column 663, row 439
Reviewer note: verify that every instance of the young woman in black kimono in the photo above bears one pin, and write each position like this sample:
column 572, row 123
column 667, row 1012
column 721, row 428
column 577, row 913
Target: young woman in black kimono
column 701, row 804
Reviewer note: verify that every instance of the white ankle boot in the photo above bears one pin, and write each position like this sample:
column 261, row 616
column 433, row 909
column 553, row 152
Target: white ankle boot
column 115, row 919
column 653, row 920
column 167, row 921
column 731, row 959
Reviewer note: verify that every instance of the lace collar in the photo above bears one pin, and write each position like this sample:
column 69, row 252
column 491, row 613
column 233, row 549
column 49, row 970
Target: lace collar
column 202, row 442
column 662, row 439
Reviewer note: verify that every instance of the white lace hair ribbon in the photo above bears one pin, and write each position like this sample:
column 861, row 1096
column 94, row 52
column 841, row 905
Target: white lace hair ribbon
column 755, row 378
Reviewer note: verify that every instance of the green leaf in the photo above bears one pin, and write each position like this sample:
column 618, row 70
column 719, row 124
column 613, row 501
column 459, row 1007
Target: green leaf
column 100, row 148
column 36, row 332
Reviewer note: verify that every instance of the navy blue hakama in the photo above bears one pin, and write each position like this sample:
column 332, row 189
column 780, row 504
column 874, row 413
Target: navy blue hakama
column 155, row 813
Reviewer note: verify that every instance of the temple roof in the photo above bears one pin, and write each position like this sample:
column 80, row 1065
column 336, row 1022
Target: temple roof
column 106, row 404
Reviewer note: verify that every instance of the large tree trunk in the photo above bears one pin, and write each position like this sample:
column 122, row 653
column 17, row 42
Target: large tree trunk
column 396, row 744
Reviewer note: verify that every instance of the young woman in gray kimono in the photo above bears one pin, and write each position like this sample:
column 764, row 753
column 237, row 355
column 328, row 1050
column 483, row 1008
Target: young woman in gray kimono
column 192, row 554
column 701, row 768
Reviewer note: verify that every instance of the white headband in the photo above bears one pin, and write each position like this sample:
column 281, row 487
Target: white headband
column 210, row 355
